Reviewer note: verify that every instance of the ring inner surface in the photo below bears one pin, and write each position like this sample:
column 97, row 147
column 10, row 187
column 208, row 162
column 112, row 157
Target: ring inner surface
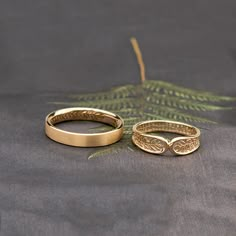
column 167, row 127
column 88, row 115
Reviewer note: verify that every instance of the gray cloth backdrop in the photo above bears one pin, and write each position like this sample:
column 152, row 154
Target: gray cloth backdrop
column 49, row 49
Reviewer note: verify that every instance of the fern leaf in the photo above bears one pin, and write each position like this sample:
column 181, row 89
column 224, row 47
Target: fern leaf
column 113, row 149
column 173, row 114
column 131, row 120
column 105, row 151
column 128, row 132
column 117, row 93
column 180, row 103
column 174, row 90
column 104, row 104
column 129, row 112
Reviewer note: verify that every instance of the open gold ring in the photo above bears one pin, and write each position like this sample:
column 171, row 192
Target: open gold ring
column 183, row 145
column 84, row 139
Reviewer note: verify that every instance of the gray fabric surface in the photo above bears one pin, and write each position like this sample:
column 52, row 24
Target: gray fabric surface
column 49, row 49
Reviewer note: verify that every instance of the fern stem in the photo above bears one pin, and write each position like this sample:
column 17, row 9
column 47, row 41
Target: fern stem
column 139, row 56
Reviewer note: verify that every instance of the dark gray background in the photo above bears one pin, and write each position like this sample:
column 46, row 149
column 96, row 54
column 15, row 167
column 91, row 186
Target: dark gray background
column 49, row 49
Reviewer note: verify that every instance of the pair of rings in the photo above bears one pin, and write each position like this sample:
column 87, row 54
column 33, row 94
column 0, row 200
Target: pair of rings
column 142, row 137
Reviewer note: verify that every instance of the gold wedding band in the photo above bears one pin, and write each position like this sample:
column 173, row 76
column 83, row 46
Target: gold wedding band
column 84, row 139
column 183, row 145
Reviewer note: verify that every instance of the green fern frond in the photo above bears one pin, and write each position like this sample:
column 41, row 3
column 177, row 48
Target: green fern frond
column 127, row 132
column 173, row 114
column 116, row 93
column 125, row 102
column 131, row 120
column 184, row 104
column 105, row 151
column 129, row 112
column 112, row 149
column 104, row 104
column 174, row 90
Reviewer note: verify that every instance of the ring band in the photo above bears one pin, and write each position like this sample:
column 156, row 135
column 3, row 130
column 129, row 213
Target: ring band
column 84, row 139
column 183, row 145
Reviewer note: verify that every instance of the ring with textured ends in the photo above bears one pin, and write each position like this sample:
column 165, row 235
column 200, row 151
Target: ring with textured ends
column 84, row 139
column 183, row 145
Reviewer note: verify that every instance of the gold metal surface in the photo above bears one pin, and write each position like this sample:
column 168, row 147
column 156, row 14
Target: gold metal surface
column 183, row 145
column 84, row 139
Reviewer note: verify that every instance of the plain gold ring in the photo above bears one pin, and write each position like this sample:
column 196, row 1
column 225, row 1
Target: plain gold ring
column 84, row 139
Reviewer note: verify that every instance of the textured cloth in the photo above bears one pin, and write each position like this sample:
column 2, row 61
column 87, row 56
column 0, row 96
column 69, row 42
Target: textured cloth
column 49, row 49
